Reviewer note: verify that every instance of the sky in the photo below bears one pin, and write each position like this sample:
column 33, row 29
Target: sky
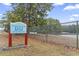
column 4, row 7
column 64, row 12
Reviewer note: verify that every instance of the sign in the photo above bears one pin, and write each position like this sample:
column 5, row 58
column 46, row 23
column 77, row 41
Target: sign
column 18, row 27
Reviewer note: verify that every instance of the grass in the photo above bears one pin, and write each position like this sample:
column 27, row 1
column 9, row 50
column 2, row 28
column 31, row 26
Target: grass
column 34, row 48
column 38, row 48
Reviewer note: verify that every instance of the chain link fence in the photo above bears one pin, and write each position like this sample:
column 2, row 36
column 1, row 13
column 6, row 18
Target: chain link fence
column 66, row 34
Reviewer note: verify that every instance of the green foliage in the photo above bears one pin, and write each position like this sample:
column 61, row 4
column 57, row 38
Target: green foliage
column 34, row 12
column 52, row 26
column 69, row 28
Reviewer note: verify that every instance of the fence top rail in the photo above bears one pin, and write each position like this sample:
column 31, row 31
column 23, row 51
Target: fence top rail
column 70, row 22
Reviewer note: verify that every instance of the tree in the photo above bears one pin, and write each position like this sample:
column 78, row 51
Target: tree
column 34, row 12
column 54, row 25
column 71, row 28
column 51, row 26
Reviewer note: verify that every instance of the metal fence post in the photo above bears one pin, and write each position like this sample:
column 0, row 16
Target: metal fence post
column 47, row 34
column 77, row 33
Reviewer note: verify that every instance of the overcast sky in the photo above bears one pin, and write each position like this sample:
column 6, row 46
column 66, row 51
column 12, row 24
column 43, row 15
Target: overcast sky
column 64, row 12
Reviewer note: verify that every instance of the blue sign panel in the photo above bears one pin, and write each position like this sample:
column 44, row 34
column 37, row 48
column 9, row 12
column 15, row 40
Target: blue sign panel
column 18, row 27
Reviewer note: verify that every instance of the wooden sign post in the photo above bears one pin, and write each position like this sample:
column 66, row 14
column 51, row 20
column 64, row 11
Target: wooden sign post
column 20, row 28
column 10, row 40
column 26, row 39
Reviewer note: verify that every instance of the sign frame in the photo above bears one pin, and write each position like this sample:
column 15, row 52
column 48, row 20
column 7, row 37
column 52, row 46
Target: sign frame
column 12, row 31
